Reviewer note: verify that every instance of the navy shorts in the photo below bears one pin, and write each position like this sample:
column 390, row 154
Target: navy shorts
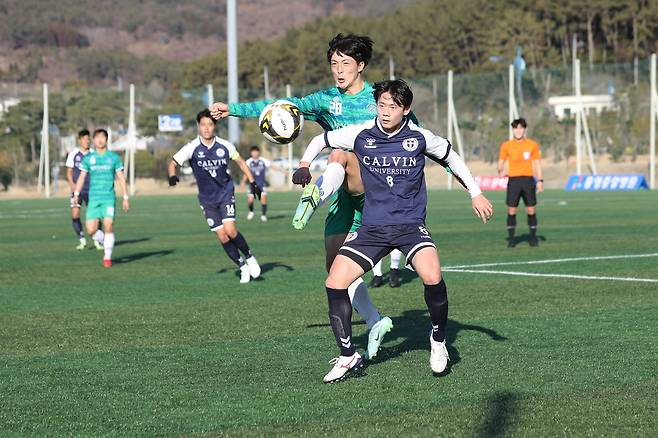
column 370, row 243
column 218, row 213
column 83, row 198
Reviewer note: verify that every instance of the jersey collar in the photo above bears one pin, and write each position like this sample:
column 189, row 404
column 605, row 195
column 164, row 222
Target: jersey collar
column 402, row 125
column 214, row 140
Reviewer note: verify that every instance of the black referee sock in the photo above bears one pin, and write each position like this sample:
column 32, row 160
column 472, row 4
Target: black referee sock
column 233, row 253
column 77, row 227
column 532, row 223
column 241, row 243
column 264, row 209
column 436, row 298
column 511, row 225
column 340, row 317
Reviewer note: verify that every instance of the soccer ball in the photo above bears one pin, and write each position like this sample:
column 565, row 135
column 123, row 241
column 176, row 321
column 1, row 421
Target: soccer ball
column 281, row 122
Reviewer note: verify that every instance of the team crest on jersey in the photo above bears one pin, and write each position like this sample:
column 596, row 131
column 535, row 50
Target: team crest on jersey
column 410, row 144
column 210, row 222
column 92, row 160
column 370, row 143
column 201, row 154
column 351, row 237
column 526, row 155
column 220, row 153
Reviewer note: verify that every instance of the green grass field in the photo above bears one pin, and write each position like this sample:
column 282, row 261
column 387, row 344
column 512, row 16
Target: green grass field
column 168, row 343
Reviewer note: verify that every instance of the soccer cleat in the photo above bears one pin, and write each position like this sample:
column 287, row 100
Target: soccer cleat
column 533, row 241
column 253, row 267
column 82, row 245
column 309, row 201
column 250, row 215
column 263, row 218
column 376, row 335
column 511, row 243
column 244, row 274
column 376, row 281
column 438, row 355
column 394, row 278
column 98, row 245
column 343, row 365
column 107, row 263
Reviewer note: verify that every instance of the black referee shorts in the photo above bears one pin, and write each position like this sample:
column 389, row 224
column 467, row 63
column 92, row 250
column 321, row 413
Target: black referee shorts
column 521, row 187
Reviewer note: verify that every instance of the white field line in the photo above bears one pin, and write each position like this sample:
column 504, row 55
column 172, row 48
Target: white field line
column 541, row 262
column 533, row 274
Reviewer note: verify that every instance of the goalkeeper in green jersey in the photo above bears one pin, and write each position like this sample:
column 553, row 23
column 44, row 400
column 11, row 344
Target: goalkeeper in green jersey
column 102, row 167
column 351, row 101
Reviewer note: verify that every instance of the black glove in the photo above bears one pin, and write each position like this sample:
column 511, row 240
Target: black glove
column 302, row 176
column 173, row 180
column 255, row 190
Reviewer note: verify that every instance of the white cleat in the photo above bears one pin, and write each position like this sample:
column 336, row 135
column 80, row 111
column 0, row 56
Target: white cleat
column 343, row 365
column 82, row 245
column 376, row 336
column 254, row 267
column 244, row 274
column 263, row 218
column 250, row 215
column 438, row 356
column 98, row 245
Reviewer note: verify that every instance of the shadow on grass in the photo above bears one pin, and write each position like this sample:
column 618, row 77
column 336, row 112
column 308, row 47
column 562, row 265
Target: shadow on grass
column 128, row 242
column 409, row 329
column 501, row 409
column 525, row 238
column 142, row 255
column 264, row 268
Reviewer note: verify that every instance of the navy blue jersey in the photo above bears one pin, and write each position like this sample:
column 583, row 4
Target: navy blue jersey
column 210, row 167
column 258, row 169
column 392, row 168
column 73, row 161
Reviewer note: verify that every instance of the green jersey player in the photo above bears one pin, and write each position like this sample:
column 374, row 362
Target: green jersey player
column 350, row 101
column 103, row 167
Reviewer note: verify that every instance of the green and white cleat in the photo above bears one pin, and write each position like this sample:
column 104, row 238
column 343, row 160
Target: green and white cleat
column 309, row 201
column 98, row 245
column 376, row 335
column 82, row 245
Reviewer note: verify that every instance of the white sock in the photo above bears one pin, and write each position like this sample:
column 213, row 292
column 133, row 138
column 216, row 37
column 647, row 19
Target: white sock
column 83, row 240
column 377, row 269
column 99, row 236
column 330, row 181
column 109, row 245
column 396, row 256
column 361, row 302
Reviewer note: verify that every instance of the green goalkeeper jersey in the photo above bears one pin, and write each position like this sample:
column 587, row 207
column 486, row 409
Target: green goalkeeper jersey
column 101, row 169
column 331, row 108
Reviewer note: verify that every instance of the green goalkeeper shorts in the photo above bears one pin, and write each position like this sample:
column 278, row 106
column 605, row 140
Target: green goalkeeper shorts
column 344, row 213
column 100, row 209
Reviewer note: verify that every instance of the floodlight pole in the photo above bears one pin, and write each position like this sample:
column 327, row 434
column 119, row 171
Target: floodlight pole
column 576, row 85
column 652, row 128
column 232, row 55
column 513, row 112
column 391, row 68
column 44, row 156
column 211, row 94
column 582, row 128
column 290, row 145
column 435, row 94
column 132, row 140
column 266, row 82
column 453, row 125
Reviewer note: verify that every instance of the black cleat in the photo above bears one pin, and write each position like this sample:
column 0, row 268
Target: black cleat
column 511, row 243
column 376, row 281
column 533, row 241
column 394, row 278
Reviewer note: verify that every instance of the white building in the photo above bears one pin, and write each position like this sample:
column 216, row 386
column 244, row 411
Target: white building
column 565, row 106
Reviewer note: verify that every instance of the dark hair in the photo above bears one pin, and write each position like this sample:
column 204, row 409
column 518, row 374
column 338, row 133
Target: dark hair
column 101, row 131
column 254, row 148
column 399, row 89
column 520, row 121
column 83, row 132
column 354, row 46
column 203, row 114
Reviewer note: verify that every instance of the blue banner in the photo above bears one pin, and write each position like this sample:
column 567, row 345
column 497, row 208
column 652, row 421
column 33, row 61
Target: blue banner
column 631, row 181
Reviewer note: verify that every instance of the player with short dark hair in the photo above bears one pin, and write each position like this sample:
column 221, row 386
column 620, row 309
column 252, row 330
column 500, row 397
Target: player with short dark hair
column 525, row 178
column 391, row 151
column 349, row 101
column 258, row 166
column 209, row 157
column 103, row 167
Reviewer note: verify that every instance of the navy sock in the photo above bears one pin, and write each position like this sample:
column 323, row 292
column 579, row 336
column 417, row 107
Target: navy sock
column 340, row 317
column 532, row 223
column 233, row 253
column 241, row 244
column 264, row 209
column 436, row 298
column 511, row 225
column 251, row 207
column 77, row 227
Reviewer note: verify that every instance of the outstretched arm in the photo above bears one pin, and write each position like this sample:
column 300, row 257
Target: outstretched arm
column 309, row 106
